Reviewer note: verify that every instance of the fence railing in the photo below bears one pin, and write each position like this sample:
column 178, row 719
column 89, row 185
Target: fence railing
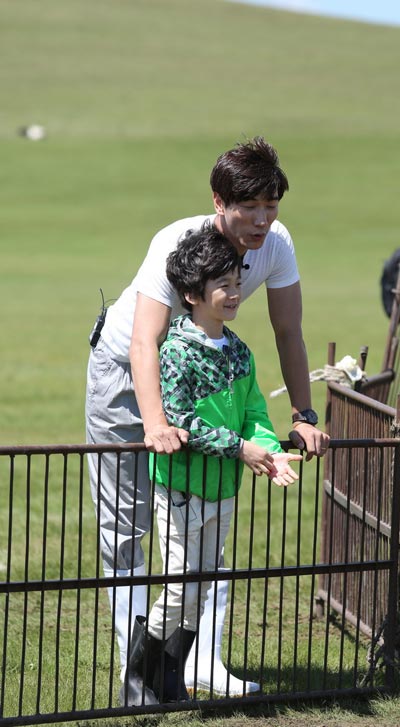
column 59, row 658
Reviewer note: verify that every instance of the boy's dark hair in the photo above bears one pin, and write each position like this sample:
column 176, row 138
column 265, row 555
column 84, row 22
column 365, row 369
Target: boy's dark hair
column 201, row 255
column 247, row 171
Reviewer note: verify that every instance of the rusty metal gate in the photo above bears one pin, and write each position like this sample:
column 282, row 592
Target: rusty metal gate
column 357, row 497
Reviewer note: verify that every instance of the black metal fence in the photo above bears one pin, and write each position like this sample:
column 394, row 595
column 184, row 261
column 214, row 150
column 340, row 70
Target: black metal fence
column 59, row 657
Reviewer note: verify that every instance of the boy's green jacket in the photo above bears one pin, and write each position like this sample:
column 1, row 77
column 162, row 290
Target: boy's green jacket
column 214, row 395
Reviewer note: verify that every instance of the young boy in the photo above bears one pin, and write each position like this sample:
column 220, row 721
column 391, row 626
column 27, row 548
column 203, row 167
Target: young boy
column 209, row 389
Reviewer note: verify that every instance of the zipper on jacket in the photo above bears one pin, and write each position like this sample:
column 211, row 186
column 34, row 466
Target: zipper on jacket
column 226, row 350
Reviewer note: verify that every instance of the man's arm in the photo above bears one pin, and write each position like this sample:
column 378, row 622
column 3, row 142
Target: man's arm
column 150, row 326
column 285, row 310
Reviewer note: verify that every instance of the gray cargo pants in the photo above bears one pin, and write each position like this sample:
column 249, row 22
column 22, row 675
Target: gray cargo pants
column 112, row 417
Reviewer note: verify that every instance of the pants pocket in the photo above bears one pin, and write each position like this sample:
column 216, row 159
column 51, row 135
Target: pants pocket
column 180, row 507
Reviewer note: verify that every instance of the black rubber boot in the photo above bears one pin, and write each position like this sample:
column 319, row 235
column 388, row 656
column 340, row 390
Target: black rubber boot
column 172, row 687
column 144, row 659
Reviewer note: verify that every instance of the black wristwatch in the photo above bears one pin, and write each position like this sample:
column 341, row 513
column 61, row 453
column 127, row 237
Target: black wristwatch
column 309, row 416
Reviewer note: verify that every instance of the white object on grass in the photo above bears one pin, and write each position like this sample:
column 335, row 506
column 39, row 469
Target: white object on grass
column 34, row 132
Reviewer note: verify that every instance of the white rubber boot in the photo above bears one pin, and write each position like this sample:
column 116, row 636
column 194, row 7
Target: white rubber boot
column 237, row 688
column 137, row 603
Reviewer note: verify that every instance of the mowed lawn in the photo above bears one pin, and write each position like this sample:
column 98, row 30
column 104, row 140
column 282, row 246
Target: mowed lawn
column 138, row 98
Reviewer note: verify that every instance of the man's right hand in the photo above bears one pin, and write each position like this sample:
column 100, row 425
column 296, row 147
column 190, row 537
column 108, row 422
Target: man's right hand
column 163, row 439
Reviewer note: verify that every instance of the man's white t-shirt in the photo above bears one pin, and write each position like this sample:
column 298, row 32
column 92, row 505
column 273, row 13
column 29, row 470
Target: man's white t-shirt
column 274, row 264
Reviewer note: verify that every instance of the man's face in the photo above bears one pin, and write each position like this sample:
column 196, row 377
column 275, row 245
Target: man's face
column 246, row 223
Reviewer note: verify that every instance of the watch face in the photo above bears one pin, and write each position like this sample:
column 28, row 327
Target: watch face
column 310, row 416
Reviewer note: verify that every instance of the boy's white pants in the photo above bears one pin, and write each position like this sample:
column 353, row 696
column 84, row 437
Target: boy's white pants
column 192, row 533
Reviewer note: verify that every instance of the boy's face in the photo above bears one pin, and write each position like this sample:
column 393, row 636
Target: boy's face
column 246, row 223
column 221, row 300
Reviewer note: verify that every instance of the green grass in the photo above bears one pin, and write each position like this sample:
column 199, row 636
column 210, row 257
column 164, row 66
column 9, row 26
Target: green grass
column 138, row 98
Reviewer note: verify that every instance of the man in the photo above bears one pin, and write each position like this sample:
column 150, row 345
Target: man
column 123, row 395
column 209, row 388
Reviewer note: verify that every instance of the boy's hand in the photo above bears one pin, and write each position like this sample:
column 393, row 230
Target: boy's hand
column 282, row 474
column 257, row 458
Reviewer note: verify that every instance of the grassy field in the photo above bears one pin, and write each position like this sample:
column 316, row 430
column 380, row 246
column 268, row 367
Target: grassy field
column 138, row 98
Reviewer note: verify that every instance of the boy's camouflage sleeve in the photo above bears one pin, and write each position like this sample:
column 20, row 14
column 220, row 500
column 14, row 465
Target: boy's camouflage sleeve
column 178, row 398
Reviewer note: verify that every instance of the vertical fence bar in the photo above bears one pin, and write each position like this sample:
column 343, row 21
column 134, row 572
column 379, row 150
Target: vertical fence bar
column 42, row 595
column 26, row 570
column 8, row 579
column 265, row 600
column 330, row 560
column 133, row 551
column 313, row 563
column 78, row 590
column 216, row 583
column 113, row 592
column 150, row 562
column 281, row 589
column 361, row 558
column 346, row 575
column 297, row 590
column 392, row 616
column 233, row 583
column 250, row 565
column 96, row 590
column 376, row 556
column 60, row 595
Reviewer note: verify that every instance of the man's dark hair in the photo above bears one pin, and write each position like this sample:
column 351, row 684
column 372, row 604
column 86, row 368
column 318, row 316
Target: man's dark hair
column 247, row 171
column 201, row 255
